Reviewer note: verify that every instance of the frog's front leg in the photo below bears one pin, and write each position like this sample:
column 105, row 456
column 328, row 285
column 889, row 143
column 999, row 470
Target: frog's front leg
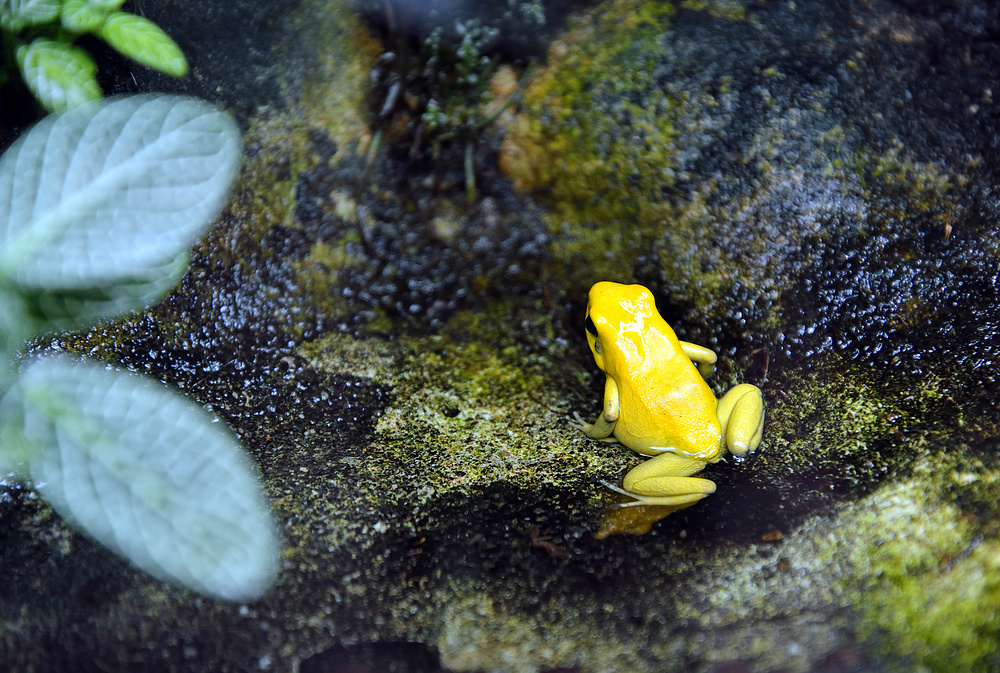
column 741, row 415
column 666, row 480
column 604, row 426
column 703, row 358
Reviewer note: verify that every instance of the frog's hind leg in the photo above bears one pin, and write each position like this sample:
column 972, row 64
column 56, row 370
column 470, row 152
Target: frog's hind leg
column 666, row 480
column 741, row 415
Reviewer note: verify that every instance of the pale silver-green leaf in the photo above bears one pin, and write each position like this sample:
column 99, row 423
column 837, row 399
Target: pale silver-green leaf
column 113, row 192
column 150, row 475
column 143, row 41
column 60, row 75
column 16, row 450
column 73, row 308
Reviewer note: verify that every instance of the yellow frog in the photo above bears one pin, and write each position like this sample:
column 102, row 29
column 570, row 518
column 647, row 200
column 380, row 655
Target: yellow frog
column 656, row 401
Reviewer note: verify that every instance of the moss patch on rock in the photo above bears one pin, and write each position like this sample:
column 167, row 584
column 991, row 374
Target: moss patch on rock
column 836, row 421
column 331, row 65
column 930, row 587
column 596, row 128
column 473, row 407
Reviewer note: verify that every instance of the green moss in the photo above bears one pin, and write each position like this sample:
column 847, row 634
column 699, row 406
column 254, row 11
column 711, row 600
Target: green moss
column 834, row 419
column 319, row 274
column 478, row 405
column 925, row 180
column 329, row 91
column 734, row 10
column 927, row 191
column 597, row 134
column 334, row 81
column 600, row 138
column 932, row 591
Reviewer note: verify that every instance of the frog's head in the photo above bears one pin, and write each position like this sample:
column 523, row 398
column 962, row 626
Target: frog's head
column 616, row 318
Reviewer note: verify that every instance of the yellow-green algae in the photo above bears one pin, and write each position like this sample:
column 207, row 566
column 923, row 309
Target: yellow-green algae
column 340, row 53
column 470, row 408
column 830, row 416
column 931, row 182
column 931, row 590
column 324, row 85
column 319, row 273
column 734, row 10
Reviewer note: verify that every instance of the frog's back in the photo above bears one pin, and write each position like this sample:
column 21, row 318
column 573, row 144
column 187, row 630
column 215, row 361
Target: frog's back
column 669, row 405
column 665, row 404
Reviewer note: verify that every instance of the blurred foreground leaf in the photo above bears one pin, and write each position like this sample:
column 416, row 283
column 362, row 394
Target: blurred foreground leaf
column 16, row 14
column 150, row 475
column 100, row 205
column 85, row 16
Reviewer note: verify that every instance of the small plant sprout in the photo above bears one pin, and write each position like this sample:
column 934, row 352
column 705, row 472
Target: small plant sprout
column 41, row 35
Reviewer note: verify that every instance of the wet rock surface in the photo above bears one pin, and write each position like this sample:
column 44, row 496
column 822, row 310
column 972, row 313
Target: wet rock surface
column 808, row 188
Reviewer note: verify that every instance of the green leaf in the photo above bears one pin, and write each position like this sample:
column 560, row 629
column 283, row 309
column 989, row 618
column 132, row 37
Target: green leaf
column 60, row 75
column 85, row 16
column 143, row 41
column 18, row 14
column 150, row 475
column 99, row 206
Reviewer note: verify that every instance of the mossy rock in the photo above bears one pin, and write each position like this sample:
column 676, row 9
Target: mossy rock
column 807, row 188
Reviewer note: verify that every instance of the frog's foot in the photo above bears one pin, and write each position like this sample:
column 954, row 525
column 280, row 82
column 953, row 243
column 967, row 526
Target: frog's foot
column 674, row 501
column 741, row 414
column 666, row 480
column 599, row 430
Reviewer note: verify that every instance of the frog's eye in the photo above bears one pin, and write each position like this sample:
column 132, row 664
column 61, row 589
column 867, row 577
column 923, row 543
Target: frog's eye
column 591, row 327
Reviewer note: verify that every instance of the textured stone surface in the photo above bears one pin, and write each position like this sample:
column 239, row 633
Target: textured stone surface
column 809, row 188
